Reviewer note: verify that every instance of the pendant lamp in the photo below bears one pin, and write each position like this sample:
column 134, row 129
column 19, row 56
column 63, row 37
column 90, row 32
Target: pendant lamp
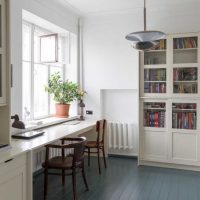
column 145, row 40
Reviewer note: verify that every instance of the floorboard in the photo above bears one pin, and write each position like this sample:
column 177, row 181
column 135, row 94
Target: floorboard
column 124, row 180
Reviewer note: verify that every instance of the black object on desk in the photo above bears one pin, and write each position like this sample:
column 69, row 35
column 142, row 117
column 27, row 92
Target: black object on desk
column 28, row 135
column 3, row 145
column 17, row 123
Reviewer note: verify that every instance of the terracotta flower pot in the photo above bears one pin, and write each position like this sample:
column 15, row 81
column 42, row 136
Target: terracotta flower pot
column 62, row 110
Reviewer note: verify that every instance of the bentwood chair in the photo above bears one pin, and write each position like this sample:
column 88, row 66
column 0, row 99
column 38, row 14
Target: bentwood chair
column 98, row 145
column 68, row 164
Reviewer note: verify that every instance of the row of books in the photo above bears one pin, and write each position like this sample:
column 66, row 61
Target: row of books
column 154, row 119
column 184, row 120
column 154, row 105
column 155, row 74
column 162, row 45
column 185, row 88
column 155, row 59
column 187, row 42
column 185, row 74
column 184, row 105
column 154, row 87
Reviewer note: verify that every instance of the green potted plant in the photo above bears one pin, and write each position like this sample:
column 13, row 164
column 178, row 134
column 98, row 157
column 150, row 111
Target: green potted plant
column 64, row 92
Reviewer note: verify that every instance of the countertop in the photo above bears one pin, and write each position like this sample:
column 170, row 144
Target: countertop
column 52, row 133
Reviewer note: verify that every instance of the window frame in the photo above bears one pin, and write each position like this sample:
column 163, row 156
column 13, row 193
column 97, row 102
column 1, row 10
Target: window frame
column 56, row 48
column 32, row 62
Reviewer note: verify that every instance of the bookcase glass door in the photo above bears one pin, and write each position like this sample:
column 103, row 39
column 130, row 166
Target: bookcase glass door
column 1, row 70
column 2, row 53
column 156, row 56
column 155, row 80
column 185, row 50
column 154, row 114
column 1, row 78
column 184, row 116
column 185, row 80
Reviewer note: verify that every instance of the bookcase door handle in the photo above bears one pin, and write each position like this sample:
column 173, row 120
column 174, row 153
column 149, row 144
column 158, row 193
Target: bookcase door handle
column 11, row 74
column 8, row 160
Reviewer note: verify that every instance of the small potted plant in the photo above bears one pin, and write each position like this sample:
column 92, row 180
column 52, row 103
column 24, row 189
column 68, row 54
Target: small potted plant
column 64, row 92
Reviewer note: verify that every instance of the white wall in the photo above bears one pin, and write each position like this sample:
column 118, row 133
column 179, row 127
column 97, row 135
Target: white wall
column 108, row 60
column 111, row 65
column 47, row 9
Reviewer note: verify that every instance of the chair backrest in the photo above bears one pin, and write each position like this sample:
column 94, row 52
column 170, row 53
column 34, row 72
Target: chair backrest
column 100, row 129
column 78, row 146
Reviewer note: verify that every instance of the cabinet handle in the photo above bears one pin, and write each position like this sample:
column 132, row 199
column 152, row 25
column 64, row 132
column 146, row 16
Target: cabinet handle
column 11, row 78
column 8, row 160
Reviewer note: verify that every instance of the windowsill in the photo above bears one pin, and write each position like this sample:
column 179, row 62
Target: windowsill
column 38, row 124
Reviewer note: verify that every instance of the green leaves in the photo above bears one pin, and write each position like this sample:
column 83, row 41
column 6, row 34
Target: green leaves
column 63, row 91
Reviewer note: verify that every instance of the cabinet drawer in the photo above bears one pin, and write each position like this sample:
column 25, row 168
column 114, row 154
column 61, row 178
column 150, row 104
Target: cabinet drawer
column 12, row 164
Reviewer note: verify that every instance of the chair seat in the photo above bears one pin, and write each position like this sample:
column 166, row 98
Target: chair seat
column 59, row 163
column 93, row 144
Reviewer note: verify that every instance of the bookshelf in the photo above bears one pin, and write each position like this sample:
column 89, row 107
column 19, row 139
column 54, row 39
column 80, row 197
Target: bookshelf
column 156, row 56
column 184, row 116
column 170, row 102
column 154, row 114
column 155, row 80
column 185, row 80
column 185, row 50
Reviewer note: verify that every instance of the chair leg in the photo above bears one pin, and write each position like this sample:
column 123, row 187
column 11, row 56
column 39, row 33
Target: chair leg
column 63, row 177
column 104, row 157
column 84, row 177
column 45, row 183
column 74, row 184
column 88, row 156
column 98, row 152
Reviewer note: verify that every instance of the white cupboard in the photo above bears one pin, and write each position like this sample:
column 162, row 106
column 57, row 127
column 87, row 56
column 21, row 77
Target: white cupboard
column 13, row 179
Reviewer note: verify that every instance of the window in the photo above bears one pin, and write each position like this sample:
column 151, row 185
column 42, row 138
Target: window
column 36, row 102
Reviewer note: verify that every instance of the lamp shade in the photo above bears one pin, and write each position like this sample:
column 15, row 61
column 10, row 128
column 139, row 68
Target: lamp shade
column 145, row 36
column 145, row 40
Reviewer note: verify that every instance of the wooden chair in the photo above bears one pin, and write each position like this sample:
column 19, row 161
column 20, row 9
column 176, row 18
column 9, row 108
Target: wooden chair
column 98, row 144
column 70, row 162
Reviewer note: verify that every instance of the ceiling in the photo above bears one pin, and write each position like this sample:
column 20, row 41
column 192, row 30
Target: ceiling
column 97, row 6
column 102, row 6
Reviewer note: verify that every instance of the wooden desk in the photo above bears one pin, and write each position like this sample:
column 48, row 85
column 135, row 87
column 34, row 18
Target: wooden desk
column 51, row 135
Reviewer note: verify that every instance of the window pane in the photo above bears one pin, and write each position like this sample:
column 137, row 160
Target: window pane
column 61, row 44
column 36, row 48
column 40, row 96
column 26, row 90
column 26, row 42
column 48, row 48
column 37, row 33
column 54, row 69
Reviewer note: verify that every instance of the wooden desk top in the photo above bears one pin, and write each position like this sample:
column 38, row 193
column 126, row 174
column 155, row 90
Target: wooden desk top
column 51, row 134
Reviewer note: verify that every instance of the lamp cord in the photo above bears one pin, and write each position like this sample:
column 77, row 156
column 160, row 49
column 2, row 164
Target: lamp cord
column 145, row 15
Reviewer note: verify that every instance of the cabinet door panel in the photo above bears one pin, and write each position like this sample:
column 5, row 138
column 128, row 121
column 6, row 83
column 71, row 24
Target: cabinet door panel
column 184, row 147
column 155, row 145
column 13, row 185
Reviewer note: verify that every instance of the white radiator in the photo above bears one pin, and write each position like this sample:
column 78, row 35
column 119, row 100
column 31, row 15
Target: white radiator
column 121, row 135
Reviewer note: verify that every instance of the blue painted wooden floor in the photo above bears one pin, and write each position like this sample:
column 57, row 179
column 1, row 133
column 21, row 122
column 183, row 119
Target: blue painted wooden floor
column 124, row 180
